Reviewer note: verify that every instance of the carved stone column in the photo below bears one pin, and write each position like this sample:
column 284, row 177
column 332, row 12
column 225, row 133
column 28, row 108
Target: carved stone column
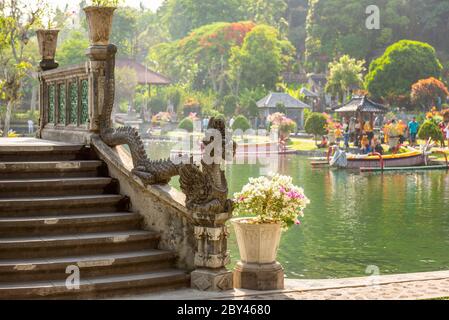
column 211, row 254
column 96, row 68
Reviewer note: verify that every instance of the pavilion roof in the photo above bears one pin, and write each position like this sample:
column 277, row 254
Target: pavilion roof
column 271, row 101
column 361, row 104
column 144, row 74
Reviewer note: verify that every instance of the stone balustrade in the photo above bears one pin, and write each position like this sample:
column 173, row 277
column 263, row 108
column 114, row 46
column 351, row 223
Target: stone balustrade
column 76, row 106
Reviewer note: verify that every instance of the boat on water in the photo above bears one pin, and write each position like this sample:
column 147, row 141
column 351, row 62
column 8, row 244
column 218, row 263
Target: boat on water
column 410, row 158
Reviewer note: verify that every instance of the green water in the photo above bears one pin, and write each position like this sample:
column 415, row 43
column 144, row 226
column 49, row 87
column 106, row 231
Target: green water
column 398, row 222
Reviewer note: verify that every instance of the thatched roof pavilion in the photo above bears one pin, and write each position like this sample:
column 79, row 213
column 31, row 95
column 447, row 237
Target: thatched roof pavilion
column 359, row 107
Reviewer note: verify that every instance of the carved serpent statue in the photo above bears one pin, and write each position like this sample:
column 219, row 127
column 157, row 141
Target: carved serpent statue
column 205, row 188
column 150, row 172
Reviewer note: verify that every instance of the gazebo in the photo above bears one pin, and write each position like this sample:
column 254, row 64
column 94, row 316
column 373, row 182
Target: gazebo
column 145, row 76
column 294, row 108
column 360, row 107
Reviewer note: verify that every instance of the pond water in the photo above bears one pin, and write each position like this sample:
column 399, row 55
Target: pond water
column 398, row 222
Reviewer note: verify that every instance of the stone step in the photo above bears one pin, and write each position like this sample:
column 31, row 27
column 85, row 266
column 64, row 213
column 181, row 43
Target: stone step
column 51, row 169
column 55, row 187
column 97, row 287
column 94, row 265
column 31, row 152
column 63, row 224
column 76, row 244
column 37, row 206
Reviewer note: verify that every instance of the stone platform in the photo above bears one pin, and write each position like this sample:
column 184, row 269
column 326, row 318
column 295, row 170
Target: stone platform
column 413, row 286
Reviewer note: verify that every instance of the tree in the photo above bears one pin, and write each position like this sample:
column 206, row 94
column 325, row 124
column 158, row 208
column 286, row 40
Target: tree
column 260, row 60
column 126, row 84
column 316, row 125
column 345, row 75
column 296, row 17
column 202, row 58
column 72, row 50
column 426, row 92
column 183, row 16
column 253, row 108
column 270, row 12
column 402, row 64
column 241, row 123
column 124, row 30
column 16, row 21
column 336, row 27
column 230, row 105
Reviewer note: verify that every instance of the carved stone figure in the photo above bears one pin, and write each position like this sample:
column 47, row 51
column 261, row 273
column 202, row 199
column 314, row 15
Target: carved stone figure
column 206, row 188
column 150, row 172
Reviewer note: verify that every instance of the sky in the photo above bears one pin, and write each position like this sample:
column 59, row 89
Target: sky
column 152, row 4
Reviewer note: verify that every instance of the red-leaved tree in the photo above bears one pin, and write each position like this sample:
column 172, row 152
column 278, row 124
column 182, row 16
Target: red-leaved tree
column 426, row 92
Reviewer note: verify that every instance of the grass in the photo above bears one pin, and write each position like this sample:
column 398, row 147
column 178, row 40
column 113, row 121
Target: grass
column 303, row 144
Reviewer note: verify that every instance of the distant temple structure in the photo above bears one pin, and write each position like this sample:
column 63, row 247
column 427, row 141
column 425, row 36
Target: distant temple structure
column 145, row 76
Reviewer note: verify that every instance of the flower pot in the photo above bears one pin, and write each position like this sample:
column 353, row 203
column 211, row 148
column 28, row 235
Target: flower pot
column 99, row 20
column 47, row 40
column 258, row 245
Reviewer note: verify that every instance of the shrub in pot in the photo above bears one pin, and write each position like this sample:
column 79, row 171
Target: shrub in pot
column 273, row 205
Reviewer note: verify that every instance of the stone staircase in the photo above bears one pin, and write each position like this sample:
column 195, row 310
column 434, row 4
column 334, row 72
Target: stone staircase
column 59, row 209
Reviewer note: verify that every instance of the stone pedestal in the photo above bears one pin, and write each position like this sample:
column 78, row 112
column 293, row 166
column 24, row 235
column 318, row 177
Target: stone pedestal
column 211, row 253
column 211, row 280
column 259, row 276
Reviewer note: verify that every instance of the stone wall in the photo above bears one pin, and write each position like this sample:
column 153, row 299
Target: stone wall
column 162, row 206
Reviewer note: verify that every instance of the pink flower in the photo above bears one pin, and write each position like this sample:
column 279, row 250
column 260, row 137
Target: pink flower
column 297, row 222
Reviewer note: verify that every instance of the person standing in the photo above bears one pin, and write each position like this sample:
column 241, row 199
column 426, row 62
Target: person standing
column 447, row 133
column 231, row 122
column 368, row 131
column 30, row 126
column 346, row 133
column 413, row 127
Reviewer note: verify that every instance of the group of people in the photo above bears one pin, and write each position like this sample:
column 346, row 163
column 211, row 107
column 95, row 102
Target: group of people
column 361, row 133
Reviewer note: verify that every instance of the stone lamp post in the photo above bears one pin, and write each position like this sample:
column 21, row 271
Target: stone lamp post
column 47, row 40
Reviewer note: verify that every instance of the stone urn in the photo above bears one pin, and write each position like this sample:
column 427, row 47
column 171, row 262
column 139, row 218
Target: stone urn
column 99, row 20
column 258, row 245
column 47, row 40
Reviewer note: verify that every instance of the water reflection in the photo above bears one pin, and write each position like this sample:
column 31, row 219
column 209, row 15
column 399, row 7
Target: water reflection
column 396, row 221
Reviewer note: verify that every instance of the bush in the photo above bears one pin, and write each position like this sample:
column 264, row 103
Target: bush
column 316, row 124
column 430, row 129
column 186, row 124
column 241, row 123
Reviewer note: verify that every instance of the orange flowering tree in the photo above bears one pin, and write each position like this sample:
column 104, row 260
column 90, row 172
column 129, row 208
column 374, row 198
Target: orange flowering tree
column 209, row 48
column 425, row 92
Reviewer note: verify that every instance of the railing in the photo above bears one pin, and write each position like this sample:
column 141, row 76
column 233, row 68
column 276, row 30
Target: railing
column 76, row 105
column 66, row 98
column 71, row 100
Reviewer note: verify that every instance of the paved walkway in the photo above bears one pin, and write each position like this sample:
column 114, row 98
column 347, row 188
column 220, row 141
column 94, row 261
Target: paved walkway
column 428, row 285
